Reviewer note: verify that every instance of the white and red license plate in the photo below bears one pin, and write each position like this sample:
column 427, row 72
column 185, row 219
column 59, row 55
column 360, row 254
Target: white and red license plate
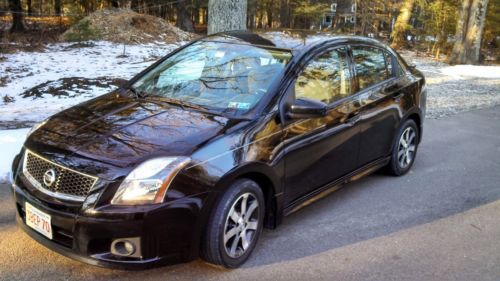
column 38, row 220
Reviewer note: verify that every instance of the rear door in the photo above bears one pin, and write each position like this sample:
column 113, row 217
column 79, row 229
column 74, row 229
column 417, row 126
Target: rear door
column 320, row 150
column 380, row 89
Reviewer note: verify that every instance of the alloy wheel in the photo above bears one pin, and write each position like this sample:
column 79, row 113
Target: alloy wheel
column 406, row 147
column 241, row 225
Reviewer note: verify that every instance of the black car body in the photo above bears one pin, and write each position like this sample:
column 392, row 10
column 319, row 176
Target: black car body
column 294, row 149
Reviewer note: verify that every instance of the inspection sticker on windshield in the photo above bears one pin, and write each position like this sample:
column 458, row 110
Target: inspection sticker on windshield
column 239, row 105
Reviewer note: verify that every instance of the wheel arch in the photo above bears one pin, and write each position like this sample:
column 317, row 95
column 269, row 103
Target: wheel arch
column 268, row 182
column 416, row 116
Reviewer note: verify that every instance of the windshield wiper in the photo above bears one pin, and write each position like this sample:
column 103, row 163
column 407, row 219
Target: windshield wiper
column 137, row 93
column 182, row 104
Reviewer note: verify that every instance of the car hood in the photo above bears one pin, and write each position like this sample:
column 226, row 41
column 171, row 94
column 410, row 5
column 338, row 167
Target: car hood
column 124, row 131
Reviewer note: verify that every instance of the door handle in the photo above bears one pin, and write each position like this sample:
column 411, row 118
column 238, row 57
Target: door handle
column 353, row 117
column 390, row 88
column 397, row 97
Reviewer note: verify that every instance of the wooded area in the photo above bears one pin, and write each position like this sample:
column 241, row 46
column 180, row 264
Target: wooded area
column 457, row 28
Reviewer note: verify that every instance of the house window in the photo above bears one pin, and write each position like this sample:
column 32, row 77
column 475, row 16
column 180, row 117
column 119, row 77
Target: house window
column 353, row 8
column 333, row 7
column 328, row 19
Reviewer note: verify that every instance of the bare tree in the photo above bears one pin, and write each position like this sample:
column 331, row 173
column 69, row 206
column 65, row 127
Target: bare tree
column 226, row 15
column 284, row 13
column 30, row 7
column 17, row 16
column 114, row 3
column 183, row 21
column 469, row 32
column 402, row 24
column 58, row 7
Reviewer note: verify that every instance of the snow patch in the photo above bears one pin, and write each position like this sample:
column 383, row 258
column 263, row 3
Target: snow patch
column 26, row 70
column 11, row 142
column 473, row 71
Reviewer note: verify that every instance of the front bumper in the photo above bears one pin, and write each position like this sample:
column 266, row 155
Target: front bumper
column 168, row 234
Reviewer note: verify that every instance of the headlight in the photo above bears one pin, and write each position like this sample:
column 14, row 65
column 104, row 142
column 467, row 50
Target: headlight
column 36, row 127
column 148, row 183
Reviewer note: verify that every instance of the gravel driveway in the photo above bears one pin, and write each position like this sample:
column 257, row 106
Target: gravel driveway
column 455, row 89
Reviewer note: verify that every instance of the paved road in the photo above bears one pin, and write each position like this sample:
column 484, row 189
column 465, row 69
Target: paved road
column 439, row 222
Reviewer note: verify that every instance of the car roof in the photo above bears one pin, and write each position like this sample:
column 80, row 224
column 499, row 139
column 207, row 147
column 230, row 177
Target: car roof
column 292, row 40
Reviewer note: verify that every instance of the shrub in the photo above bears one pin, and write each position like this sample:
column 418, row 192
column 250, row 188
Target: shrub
column 82, row 31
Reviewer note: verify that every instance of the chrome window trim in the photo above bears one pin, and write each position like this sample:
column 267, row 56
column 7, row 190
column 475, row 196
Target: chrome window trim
column 39, row 187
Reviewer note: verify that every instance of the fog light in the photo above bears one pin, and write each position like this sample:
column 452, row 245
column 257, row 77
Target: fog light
column 126, row 247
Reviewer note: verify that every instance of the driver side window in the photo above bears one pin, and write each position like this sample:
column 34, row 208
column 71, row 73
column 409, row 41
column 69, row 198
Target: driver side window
column 326, row 78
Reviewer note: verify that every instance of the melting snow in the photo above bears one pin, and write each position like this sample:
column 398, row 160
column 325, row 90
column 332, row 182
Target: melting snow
column 25, row 70
column 11, row 142
column 474, row 71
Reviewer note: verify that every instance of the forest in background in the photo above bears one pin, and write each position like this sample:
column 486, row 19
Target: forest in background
column 430, row 26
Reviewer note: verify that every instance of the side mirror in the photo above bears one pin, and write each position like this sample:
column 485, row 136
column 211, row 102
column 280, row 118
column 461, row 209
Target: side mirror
column 303, row 108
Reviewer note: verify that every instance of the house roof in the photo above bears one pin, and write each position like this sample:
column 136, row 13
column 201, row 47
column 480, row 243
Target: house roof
column 344, row 6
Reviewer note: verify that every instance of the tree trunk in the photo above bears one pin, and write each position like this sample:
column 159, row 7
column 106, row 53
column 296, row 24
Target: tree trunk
column 226, row 15
column 113, row 3
column 402, row 23
column 30, row 7
column 284, row 14
column 183, row 21
column 252, row 9
column 57, row 7
column 269, row 17
column 469, row 32
column 197, row 12
column 17, row 16
column 134, row 5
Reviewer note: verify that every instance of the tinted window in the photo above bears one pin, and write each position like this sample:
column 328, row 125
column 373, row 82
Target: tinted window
column 370, row 66
column 326, row 78
column 389, row 64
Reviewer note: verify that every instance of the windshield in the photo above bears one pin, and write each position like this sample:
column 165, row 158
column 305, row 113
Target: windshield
column 215, row 75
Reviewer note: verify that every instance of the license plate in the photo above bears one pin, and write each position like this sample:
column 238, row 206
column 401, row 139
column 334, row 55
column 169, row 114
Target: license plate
column 38, row 220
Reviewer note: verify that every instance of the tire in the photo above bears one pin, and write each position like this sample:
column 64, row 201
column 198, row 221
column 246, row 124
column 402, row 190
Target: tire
column 403, row 154
column 225, row 225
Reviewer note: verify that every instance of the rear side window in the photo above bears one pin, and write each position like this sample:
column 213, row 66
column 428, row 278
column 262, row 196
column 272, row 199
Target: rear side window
column 371, row 66
column 393, row 66
column 389, row 64
column 326, row 78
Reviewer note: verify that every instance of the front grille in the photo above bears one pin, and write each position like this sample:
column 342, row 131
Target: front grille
column 60, row 182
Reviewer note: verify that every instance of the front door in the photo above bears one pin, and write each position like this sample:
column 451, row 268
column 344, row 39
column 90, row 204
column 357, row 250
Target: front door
column 320, row 150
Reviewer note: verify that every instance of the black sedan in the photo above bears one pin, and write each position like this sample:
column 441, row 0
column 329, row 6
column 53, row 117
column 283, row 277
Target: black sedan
column 222, row 137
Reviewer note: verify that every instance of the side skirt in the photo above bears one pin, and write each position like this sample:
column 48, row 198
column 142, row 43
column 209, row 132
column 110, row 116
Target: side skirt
column 325, row 190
